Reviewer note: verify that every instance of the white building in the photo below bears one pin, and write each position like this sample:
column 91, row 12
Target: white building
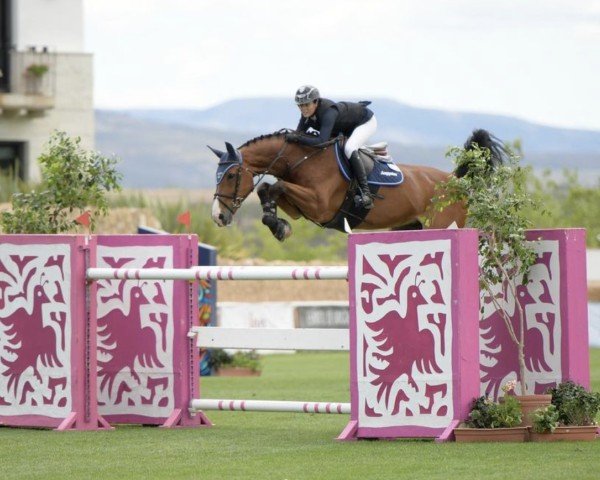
column 45, row 80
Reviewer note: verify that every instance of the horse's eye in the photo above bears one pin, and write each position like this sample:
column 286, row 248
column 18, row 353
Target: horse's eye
column 230, row 176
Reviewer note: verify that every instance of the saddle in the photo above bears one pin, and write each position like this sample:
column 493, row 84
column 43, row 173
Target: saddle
column 380, row 171
column 379, row 165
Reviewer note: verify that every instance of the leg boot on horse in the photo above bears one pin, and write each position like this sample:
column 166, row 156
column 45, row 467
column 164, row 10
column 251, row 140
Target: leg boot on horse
column 280, row 228
column 358, row 169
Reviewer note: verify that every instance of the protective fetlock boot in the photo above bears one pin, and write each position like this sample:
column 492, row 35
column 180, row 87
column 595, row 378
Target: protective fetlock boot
column 269, row 206
column 364, row 196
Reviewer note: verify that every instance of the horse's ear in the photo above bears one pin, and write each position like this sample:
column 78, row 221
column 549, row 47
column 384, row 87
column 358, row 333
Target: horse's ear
column 218, row 153
column 231, row 150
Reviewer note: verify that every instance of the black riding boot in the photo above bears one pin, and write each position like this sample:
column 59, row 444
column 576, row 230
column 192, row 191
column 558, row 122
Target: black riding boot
column 364, row 195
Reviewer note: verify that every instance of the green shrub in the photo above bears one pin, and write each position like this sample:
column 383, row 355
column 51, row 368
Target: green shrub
column 73, row 180
column 485, row 413
column 244, row 359
column 545, row 419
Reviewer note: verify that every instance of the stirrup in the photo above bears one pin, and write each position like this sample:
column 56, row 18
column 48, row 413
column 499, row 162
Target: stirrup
column 364, row 200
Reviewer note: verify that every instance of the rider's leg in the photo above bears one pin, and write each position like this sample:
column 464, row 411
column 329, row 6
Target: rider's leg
column 359, row 137
column 358, row 169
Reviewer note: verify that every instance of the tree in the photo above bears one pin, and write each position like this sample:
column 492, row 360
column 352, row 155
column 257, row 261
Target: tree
column 73, row 180
column 496, row 200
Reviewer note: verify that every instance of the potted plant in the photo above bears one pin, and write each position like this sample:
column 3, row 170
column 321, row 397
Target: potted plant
column 34, row 74
column 37, row 70
column 492, row 188
column 493, row 421
column 571, row 416
column 242, row 363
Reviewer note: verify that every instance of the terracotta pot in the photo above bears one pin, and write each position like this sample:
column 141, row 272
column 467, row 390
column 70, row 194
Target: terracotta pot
column 529, row 404
column 237, row 372
column 570, row 433
column 515, row 434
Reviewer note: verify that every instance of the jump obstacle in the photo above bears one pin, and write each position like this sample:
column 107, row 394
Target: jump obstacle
column 93, row 332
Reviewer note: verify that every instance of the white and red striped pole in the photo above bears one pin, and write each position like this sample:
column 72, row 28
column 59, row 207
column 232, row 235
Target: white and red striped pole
column 222, row 273
column 270, row 406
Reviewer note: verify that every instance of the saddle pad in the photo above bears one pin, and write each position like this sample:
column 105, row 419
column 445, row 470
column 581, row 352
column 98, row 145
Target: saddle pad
column 384, row 172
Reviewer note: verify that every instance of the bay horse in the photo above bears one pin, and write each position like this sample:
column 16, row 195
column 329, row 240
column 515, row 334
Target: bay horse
column 309, row 184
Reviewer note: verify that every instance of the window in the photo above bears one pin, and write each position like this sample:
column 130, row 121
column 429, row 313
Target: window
column 12, row 159
column 5, row 45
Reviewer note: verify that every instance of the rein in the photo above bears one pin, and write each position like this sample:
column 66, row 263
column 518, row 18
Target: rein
column 237, row 199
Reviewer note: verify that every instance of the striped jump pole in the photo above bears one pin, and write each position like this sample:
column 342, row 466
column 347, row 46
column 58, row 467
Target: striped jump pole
column 269, row 406
column 222, row 273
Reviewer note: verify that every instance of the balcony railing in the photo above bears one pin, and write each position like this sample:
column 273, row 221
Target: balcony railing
column 32, row 82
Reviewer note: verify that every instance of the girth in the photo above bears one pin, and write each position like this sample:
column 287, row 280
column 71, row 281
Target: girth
column 355, row 215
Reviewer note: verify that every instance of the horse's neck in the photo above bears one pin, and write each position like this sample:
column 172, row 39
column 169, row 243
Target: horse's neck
column 270, row 156
column 259, row 156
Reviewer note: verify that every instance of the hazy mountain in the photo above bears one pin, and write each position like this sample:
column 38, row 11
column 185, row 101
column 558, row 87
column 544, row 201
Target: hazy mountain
column 167, row 148
column 156, row 155
column 397, row 122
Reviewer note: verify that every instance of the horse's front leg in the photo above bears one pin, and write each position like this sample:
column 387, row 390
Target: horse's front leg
column 299, row 201
column 280, row 228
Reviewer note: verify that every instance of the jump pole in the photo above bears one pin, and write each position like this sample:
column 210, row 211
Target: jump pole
column 270, row 406
column 222, row 273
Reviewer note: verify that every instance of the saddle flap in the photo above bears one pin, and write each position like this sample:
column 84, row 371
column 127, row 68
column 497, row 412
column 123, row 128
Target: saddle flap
column 380, row 170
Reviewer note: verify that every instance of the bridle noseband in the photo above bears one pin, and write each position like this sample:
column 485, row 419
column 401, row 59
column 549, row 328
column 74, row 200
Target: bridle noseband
column 235, row 197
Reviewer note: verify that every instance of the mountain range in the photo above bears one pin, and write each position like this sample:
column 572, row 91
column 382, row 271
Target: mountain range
column 167, row 147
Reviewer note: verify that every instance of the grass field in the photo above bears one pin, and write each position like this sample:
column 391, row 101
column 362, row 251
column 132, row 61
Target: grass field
column 282, row 446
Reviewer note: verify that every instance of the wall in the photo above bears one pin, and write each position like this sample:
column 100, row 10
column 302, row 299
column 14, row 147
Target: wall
column 56, row 24
column 73, row 111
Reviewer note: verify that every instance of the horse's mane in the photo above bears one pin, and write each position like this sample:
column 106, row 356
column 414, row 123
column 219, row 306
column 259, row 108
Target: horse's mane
column 278, row 133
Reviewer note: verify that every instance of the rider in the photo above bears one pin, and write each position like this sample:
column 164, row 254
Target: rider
column 353, row 120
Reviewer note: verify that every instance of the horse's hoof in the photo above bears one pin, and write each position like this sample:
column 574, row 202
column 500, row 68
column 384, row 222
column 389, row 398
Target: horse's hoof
column 284, row 230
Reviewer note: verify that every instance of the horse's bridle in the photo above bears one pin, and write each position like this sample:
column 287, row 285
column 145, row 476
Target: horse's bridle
column 235, row 197
column 237, row 200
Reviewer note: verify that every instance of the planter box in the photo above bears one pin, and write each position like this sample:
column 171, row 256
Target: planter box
column 570, row 433
column 237, row 372
column 515, row 434
column 530, row 403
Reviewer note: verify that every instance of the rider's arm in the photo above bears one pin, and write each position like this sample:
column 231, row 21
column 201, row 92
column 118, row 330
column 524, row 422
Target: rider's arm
column 301, row 125
column 327, row 124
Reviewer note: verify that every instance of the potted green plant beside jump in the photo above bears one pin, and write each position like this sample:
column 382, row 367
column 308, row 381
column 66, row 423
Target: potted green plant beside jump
column 571, row 416
column 491, row 421
column 239, row 364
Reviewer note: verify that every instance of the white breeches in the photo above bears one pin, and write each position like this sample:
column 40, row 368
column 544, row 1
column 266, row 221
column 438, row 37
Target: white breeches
column 360, row 135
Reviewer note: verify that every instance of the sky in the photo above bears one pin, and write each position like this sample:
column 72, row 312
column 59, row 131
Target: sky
column 536, row 60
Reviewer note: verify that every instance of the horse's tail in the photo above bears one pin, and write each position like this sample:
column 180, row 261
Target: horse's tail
column 483, row 139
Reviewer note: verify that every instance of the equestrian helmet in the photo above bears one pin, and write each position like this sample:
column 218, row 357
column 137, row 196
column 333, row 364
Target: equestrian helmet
column 306, row 94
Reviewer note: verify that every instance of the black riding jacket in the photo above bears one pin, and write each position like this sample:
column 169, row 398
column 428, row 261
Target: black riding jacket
column 331, row 119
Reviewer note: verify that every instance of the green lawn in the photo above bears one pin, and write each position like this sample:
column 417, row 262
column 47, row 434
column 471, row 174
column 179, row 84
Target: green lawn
column 282, row 446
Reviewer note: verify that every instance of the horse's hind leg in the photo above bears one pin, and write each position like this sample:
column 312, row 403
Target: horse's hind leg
column 455, row 213
column 280, row 228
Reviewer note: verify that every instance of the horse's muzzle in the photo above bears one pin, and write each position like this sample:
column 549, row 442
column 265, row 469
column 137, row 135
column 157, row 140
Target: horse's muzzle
column 220, row 217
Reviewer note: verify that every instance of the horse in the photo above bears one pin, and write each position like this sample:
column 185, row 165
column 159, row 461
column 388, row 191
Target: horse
column 310, row 185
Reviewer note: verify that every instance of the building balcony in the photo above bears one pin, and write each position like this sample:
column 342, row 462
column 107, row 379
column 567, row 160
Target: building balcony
column 30, row 89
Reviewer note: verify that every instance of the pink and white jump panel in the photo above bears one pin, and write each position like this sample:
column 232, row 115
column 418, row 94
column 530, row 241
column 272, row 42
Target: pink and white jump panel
column 46, row 338
column 147, row 364
column 555, row 305
column 413, row 332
